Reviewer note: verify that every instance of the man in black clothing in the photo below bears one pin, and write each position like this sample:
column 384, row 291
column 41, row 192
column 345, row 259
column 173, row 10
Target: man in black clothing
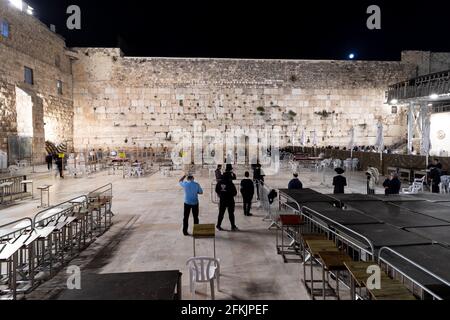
column 258, row 178
column 435, row 164
column 247, row 191
column 229, row 168
column 295, row 183
column 226, row 191
column 339, row 181
column 218, row 173
column 49, row 160
column 60, row 165
column 435, row 177
column 386, row 186
column 393, row 185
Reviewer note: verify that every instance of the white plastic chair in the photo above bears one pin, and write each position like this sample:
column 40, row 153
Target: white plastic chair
column 348, row 164
column 204, row 269
column 355, row 163
column 325, row 163
column 444, row 186
column 416, row 187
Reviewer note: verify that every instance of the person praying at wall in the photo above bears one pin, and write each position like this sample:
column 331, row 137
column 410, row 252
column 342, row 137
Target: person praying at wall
column 247, row 191
column 218, row 173
column 339, row 181
column 295, row 183
column 191, row 191
column 226, row 190
column 258, row 178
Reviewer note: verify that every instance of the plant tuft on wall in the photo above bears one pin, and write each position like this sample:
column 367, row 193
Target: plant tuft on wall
column 324, row 113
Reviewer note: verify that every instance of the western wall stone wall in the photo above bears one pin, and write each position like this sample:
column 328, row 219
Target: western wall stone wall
column 124, row 102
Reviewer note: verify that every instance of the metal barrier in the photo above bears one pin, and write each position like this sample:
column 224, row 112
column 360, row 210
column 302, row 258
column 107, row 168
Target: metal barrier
column 16, row 253
column 54, row 213
column 315, row 225
column 16, row 187
column 100, row 208
column 341, row 237
column 404, row 275
column 15, row 229
column 47, row 241
column 105, row 190
column 273, row 209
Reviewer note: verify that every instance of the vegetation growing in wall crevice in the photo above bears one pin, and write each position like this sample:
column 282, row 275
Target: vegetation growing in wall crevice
column 324, row 113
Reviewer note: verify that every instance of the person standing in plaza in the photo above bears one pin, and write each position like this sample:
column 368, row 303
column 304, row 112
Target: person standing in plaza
column 226, row 191
column 218, row 173
column 191, row 191
column 49, row 160
column 258, row 178
column 339, row 181
column 247, row 191
column 295, row 183
column 60, row 165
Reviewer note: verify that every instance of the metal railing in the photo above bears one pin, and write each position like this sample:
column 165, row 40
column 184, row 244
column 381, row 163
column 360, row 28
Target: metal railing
column 345, row 229
column 16, row 187
column 103, row 191
column 317, row 226
column 63, row 209
column 423, row 86
column 16, row 228
column 414, row 264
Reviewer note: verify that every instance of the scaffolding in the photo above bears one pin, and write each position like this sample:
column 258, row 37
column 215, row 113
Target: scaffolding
column 422, row 96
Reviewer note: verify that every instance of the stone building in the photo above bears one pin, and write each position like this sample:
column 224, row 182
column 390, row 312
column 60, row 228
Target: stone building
column 35, row 83
column 99, row 98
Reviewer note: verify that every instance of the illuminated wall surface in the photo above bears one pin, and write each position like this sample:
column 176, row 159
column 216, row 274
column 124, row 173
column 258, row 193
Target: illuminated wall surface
column 34, row 110
column 440, row 133
column 112, row 101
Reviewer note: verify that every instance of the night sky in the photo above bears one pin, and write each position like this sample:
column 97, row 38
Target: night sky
column 294, row 29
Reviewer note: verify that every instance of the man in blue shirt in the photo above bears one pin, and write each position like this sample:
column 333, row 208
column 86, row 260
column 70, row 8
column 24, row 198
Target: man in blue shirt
column 191, row 191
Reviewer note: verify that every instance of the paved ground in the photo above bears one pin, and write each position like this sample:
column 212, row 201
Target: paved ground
column 147, row 234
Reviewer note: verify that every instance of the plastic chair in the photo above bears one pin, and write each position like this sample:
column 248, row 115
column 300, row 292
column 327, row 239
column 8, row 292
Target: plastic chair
column 348, row 163
column 337, row 163
column 355, row 163
column 416, row 187
column 444, row 186
column 204, row 269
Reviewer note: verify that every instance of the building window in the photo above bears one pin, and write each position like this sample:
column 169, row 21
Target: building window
column 4, row 29
column 29, row 76
column 59, row 86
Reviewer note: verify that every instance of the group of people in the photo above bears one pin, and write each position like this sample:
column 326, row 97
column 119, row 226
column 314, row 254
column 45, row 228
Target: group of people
column 392, row 184
column 361, row 149
column 226, row 191
column 339, row 182
column 59, row 161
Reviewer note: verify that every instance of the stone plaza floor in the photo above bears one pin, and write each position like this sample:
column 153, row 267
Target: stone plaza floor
column 147, row 235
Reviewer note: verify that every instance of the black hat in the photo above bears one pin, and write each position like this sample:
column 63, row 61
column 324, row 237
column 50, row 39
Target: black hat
column 339, row 170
